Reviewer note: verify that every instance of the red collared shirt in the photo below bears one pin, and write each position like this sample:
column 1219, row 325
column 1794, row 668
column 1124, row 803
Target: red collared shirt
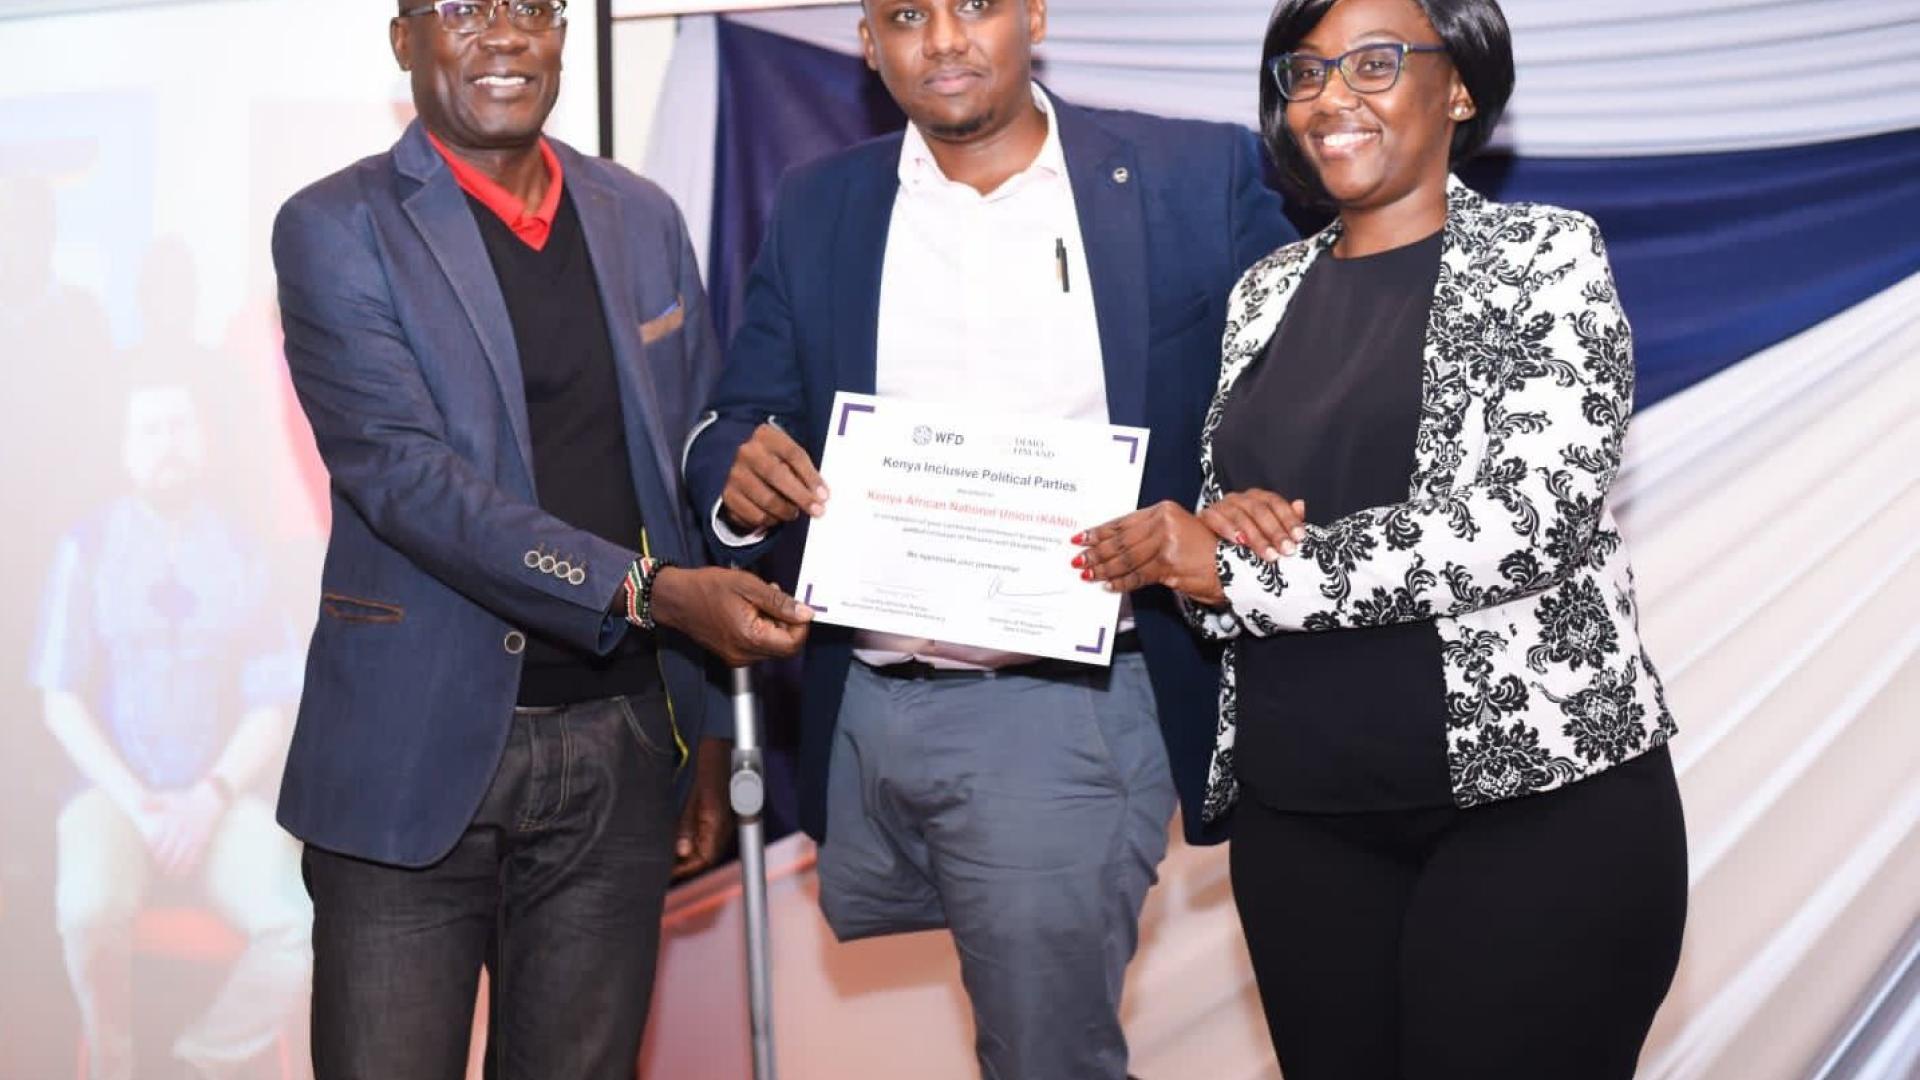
column 531, row 226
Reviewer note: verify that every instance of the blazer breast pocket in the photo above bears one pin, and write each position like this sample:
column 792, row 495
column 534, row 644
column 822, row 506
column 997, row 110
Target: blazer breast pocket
column 665, row 323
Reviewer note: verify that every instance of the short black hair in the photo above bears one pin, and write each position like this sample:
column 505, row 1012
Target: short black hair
column 1478, row 43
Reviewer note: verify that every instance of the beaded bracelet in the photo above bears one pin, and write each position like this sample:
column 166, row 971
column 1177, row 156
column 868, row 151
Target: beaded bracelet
column 639, row 589
column 630, row 593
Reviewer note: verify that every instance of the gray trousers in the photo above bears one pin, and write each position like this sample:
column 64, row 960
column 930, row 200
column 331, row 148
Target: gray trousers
column 1026, row 815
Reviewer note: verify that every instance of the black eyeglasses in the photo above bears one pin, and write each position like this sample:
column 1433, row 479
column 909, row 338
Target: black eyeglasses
column 473, row 16
column 1368, row 69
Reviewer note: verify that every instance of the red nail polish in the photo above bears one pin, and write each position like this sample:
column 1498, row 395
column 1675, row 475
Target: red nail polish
column 1086, row 575
column 1078, row 538
column 1240, row 538
column 1079, row 560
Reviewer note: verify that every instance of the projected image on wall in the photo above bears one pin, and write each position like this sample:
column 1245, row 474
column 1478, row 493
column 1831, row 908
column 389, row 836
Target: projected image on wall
column 163, row 663
column 167, row 681
column 163, row 545
column 166, row 515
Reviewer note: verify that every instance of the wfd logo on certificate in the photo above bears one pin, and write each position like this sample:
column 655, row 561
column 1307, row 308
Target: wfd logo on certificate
column 958, row 526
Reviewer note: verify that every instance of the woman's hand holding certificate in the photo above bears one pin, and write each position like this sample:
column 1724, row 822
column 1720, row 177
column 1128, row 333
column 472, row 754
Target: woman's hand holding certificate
column 1166, row 544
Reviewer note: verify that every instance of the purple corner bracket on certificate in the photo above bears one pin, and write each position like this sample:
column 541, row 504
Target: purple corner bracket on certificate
column 847, row 409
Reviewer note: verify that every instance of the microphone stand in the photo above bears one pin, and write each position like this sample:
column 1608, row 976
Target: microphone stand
column 747, row 790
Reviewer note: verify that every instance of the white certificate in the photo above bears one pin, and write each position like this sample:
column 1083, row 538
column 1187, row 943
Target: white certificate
column 958, row 526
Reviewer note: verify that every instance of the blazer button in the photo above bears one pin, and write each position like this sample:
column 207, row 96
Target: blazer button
column 562, row 569
column 516, row 643
column 532, row 559
column 547, row 564
column 578, row 577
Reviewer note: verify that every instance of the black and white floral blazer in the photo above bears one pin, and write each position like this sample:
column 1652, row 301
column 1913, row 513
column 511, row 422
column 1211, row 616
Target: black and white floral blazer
column 1505, row 540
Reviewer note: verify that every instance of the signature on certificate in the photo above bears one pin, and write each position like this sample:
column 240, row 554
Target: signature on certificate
column 997, row 588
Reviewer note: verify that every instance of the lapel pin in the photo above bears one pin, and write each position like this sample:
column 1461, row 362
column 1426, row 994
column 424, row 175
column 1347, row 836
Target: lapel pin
column 1121, row 175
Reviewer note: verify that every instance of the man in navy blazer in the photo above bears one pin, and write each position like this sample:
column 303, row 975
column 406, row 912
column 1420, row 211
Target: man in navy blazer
column 1008, row 251
column 499, row 343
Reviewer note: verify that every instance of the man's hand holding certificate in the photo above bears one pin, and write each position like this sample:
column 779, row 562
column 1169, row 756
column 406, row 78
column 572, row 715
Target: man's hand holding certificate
column 958, row 526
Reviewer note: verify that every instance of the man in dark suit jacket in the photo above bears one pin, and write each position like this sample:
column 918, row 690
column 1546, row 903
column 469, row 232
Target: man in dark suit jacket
column 1008, row 251
column 498, row 342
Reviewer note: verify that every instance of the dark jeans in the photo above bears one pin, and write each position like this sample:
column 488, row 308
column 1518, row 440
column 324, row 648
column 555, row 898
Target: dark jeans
column 1522, row 940
column 556, row 887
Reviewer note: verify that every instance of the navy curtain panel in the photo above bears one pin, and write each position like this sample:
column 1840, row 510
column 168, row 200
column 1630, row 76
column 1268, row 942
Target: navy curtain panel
column 782, row 103
column 1717, row 255
column 1721, row 255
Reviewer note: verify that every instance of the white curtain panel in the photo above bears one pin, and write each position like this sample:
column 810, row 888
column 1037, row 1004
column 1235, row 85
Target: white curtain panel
column 1597, row 78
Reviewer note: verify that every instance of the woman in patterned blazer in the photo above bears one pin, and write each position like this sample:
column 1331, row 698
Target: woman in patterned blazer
column 1457, row 842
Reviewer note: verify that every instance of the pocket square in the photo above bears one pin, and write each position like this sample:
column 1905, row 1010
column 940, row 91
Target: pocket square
column 664, row 323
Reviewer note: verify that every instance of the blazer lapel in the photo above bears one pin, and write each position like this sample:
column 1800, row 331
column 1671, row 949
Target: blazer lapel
column 1254, row 311
column 1106, row 194
column 1455, row 349
column 857, row 269
column 438, row 208
column 602, row 223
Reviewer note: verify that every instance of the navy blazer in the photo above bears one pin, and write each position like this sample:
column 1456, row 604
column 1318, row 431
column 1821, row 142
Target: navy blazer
column 1172, row 211
column 403, row 356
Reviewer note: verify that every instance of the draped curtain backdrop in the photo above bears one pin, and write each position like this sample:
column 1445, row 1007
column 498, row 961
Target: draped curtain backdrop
column 1755, row 168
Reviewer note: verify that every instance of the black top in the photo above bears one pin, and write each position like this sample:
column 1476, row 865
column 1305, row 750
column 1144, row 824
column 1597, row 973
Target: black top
column 1339, row 720
column 580, row 464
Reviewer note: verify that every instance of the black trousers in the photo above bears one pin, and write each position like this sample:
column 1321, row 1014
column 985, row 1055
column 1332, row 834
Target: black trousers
column 556, row 888
column 1531, row 939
